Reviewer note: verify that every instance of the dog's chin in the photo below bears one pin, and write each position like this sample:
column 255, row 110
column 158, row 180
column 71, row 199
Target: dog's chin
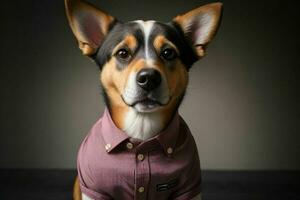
column 147, row 106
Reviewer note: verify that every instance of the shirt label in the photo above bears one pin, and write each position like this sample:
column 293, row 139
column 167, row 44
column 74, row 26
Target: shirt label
column 166, row 186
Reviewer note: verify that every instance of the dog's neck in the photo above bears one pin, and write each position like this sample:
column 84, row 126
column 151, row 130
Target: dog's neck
column 142, row 125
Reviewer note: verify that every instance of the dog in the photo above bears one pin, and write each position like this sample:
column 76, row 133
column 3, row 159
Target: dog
column 141, row 148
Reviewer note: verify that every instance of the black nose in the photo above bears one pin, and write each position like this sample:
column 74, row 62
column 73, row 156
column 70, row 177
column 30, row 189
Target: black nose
column 148, row 79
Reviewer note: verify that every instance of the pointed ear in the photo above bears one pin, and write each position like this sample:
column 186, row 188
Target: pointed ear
column 89, row 24
column 200, row 25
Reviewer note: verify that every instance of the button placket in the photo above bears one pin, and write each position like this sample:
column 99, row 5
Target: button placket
column 142, row 175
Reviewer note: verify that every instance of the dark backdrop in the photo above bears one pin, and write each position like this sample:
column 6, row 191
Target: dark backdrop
column 242, row 104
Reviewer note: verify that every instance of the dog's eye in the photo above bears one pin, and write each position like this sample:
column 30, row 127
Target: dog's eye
column 168, row 54
column 123, row 54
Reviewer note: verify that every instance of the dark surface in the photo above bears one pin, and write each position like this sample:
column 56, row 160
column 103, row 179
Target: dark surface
column 217, row 185
column 36, row 184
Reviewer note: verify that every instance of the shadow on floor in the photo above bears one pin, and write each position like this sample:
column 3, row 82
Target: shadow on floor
column 217, row 185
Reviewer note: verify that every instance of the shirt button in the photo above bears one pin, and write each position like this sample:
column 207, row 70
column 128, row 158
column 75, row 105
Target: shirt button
column 129, row 145
column 107, row 146
column 141, row 189
column 140, row 157
column 169, row 150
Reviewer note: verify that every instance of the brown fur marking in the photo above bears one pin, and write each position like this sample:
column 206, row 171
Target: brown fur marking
column 161, row 40
column 129, row 41
column 76, row 190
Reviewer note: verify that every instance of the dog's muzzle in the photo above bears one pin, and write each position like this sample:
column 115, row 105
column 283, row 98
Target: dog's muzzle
column 146, row 90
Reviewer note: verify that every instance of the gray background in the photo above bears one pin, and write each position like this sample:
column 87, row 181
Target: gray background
column 242, row 103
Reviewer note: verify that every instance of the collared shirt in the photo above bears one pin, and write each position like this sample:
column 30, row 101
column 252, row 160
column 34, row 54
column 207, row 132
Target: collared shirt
column 112, row 165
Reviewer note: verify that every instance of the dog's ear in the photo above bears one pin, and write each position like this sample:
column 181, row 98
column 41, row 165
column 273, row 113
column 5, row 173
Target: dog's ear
column 200, row 25
column 89, row 24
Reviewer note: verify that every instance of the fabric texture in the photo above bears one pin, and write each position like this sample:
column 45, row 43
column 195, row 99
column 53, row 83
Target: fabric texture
column 112, row 165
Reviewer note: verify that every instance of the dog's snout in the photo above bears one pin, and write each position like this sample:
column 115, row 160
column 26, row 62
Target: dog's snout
column 148, row 79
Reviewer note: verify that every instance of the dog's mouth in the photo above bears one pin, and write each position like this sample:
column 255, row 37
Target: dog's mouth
column 146, row 104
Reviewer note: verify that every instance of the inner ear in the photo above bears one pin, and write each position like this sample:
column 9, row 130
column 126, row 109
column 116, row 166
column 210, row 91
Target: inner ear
column 200, row 25
column 88, row 23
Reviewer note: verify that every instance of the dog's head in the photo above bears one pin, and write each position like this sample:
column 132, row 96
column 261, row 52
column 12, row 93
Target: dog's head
column 144, row 64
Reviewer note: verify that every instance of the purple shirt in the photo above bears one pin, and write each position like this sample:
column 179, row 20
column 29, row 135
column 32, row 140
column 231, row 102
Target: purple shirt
column 112, row 165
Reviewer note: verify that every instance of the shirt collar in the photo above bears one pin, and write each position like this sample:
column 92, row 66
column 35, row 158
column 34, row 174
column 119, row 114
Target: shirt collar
column 113, row 136
column 168, row 137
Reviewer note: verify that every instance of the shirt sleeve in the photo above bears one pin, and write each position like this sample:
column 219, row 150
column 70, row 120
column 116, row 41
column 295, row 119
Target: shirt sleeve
column 86, row 176
column 93, row 195
column 192, row 184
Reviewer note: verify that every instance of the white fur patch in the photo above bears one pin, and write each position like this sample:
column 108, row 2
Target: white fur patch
column 142, row 125
column 139, row 123
column 147, row 28
column 84, row 197
column 130, row 90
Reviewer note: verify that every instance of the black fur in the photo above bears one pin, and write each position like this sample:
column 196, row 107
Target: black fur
column 114, row 37
column 119, row 30
column 174, row 34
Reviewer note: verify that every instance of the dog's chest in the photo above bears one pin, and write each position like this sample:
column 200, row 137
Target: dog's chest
column 111, row 163
column 147, row 173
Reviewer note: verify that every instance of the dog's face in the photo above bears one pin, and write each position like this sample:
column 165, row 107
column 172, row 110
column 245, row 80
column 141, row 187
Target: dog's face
column 144, row 67
column 144, row 64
